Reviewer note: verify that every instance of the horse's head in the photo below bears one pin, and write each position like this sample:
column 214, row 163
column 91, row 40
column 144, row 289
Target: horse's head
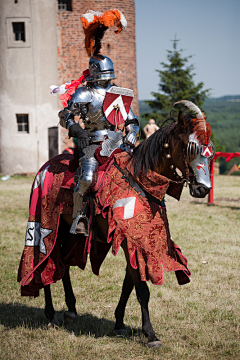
column 185, row 145
column 195, row 149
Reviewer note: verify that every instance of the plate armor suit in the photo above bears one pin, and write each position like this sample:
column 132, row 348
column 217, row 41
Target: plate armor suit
column 87, row 102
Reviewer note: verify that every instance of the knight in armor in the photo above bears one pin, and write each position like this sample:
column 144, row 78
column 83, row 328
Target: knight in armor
column 87, row 102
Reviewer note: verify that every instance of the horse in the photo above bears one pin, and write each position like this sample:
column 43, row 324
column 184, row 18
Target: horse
column 172, row 152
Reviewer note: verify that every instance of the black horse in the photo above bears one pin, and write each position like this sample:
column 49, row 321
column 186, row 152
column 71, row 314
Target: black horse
column 168, row 152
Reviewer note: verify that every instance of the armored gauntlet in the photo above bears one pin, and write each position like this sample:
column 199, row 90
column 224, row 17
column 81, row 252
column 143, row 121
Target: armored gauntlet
column 82, row 135
column 132, row 132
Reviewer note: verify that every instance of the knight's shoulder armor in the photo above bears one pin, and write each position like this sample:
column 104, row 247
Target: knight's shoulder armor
column 82, row 95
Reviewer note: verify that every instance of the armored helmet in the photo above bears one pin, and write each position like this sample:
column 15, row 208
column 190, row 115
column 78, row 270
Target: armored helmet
column 101, row 68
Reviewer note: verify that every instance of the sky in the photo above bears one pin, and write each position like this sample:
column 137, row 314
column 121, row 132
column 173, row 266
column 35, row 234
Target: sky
column 207, row 29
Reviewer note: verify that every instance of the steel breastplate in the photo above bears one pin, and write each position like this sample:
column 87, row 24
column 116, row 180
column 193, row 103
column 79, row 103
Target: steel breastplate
column 96, row 119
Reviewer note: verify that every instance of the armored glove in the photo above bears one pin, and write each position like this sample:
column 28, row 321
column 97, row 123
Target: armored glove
column 132, row 130
column 82, row 135
column 131, row 139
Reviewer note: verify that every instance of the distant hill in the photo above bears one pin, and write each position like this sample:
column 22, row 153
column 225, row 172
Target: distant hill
column 223, row 114
column 228, row 98
column 143, row 107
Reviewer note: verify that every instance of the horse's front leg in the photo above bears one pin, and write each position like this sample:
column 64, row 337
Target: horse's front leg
column 67, row 242
column 120, row 310
column 143, row 296
column 71, row 314
column 49, row 309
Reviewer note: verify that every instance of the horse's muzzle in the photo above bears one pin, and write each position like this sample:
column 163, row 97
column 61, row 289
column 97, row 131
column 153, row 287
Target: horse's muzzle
column 198, row 191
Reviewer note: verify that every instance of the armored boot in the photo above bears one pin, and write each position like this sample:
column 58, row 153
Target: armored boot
column 83, row 179
column 80, row 220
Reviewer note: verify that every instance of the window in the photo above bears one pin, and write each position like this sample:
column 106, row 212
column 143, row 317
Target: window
column 18, row 31
column 22, row 123
column 65, row 5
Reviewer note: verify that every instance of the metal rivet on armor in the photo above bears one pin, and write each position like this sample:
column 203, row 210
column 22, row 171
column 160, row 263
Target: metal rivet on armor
column 166, row 145
column 168, row 156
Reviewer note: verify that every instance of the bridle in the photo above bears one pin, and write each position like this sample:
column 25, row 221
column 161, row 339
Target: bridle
column 193, row 149
column 167, row 145
column 188, row 154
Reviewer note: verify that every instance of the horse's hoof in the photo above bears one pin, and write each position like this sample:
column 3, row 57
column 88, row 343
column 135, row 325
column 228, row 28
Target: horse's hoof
column 69, row 317
column 154, row 344
column 54, row 324
column 120, row 332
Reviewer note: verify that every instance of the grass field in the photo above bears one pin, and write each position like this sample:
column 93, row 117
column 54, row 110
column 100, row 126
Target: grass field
column 199, row 320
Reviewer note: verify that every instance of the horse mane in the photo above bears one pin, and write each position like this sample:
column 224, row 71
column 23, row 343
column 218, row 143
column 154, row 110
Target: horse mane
column 149, row 153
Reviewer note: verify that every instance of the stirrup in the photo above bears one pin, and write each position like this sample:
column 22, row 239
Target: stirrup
column 75, row 223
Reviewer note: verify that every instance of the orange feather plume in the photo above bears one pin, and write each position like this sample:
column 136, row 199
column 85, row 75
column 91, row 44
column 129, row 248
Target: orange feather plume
column 95, row 24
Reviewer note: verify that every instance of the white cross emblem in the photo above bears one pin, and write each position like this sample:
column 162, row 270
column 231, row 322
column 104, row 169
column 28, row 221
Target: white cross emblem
column 129, row 206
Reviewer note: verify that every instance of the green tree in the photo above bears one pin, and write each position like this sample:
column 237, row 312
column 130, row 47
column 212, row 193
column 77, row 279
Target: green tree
column 176, row 83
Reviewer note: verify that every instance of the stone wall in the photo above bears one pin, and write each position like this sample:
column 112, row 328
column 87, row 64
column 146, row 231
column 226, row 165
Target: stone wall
column 27, row 68
column 52, row 53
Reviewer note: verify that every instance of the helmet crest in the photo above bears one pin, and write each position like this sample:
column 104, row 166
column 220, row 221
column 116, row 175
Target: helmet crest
column 101, row 68
column 95, row 25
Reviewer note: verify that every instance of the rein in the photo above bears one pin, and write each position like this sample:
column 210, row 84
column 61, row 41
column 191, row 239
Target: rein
column 129, row 180
column 185, row 163
column 181, row 178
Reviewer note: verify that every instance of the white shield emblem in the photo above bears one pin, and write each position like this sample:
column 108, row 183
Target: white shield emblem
column 116, row 104
column 206, row 151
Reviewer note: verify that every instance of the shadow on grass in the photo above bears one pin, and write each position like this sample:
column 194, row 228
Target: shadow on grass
column 216, row 204
column 18, row 315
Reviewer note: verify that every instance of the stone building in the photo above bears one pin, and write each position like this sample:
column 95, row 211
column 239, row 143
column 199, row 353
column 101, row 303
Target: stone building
column 42, row 44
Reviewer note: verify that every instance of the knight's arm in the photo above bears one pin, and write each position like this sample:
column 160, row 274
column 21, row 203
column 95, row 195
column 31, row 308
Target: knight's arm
column 133, row 129
column 78, row 106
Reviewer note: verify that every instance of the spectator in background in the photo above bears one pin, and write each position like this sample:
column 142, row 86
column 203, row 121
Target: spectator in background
column 150, row 128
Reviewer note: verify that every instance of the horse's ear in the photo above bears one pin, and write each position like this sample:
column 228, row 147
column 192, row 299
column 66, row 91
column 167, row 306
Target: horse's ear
column 182, row 121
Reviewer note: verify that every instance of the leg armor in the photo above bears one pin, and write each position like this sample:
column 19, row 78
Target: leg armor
column 87, row 168
column 83, row 179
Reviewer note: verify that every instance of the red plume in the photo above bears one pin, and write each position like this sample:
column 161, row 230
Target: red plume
column 202, row 129
column 72, row 87
column 198, row 124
